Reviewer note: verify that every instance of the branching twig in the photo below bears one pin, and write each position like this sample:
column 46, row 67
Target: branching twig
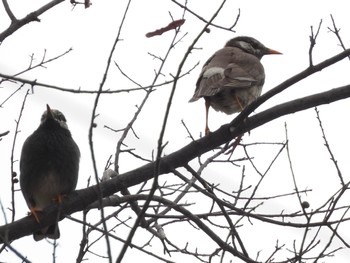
column 104, row 78
column 284, row 85
column 14, row 180
column 42, row 62
column 31, row 17
column 209, row 22
column 313, row 42
column 336, row 31
column 160, row 146
column 329, row 148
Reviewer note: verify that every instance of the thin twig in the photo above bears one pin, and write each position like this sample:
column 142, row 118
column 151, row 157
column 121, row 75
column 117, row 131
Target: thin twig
column 140, row 216
column 313, row 42
column 103, row 81
column 209, row 22
column 31, row 17
column 336, row 31
column 14, row 180
column 326, row 144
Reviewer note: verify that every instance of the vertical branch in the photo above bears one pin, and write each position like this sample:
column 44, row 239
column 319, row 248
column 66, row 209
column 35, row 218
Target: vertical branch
column 313, row 42
column 104, row 78
column 14, row 180
column 143, row 103
column 336, row 30
column 326, row 144
column 129, row 126
column 293, row 175
column 160, row 139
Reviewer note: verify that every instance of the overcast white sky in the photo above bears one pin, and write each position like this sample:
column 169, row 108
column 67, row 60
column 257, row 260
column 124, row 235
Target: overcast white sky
column 280, row 25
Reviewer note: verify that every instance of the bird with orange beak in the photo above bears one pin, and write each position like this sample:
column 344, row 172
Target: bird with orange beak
column 233, row 77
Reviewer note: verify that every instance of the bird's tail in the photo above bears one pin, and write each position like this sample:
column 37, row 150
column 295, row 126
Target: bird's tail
column 52, row 232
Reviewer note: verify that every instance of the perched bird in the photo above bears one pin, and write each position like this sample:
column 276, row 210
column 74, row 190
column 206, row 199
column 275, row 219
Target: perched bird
column 233, row 77
column 49, row 167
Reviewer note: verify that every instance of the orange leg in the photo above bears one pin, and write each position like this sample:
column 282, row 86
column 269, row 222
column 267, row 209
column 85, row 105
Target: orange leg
column 239, row 102
column 207, row 105
column 241, row 106
column 34, row 211
column 59, row 198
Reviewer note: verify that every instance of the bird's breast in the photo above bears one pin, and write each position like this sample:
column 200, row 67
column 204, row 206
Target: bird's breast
column 47, row 189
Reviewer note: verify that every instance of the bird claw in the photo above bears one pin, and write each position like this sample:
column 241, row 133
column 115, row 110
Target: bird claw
column 233, row 146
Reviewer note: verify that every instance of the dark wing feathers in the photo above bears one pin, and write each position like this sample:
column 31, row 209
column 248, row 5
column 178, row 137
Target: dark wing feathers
column 228, row 68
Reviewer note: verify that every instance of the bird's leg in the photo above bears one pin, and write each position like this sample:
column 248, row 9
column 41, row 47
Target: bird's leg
column 207, row 105
column 59, row 198
column 239, row 102
column 241, row 107
column 34, row 211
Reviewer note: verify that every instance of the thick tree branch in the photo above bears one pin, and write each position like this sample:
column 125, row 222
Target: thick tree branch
column 294, row 106
column 80, row 199
column 289, row 82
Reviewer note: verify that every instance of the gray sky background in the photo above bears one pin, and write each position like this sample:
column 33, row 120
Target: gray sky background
column 280, row 25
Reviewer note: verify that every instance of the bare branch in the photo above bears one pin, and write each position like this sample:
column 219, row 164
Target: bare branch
column 32, row 17
column 336, row 31
column 14, row 179
column 9, row 12
column 313, row 41
column 326, row 144
column 4, row 133
column 103, row 81
column 209, row 23
column 289, row 82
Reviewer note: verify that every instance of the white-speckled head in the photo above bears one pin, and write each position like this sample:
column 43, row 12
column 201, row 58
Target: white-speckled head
column 56, row 115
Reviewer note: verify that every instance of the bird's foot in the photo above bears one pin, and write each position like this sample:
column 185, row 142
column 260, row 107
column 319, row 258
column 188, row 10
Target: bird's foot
column 233, row 146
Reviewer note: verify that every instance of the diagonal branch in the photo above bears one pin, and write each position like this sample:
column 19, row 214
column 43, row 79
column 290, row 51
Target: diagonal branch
column 80, row 199
column 31, row 17
column 289, row 82
column 9, row 11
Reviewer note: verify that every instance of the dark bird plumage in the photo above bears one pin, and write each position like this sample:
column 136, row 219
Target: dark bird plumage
column 233, row 77
column 49, row 167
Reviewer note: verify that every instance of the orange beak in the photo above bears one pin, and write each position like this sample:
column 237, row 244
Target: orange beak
column 272, row 52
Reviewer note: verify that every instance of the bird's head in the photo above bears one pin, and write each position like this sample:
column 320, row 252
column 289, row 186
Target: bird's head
column 251, row 46
column 55, row 115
